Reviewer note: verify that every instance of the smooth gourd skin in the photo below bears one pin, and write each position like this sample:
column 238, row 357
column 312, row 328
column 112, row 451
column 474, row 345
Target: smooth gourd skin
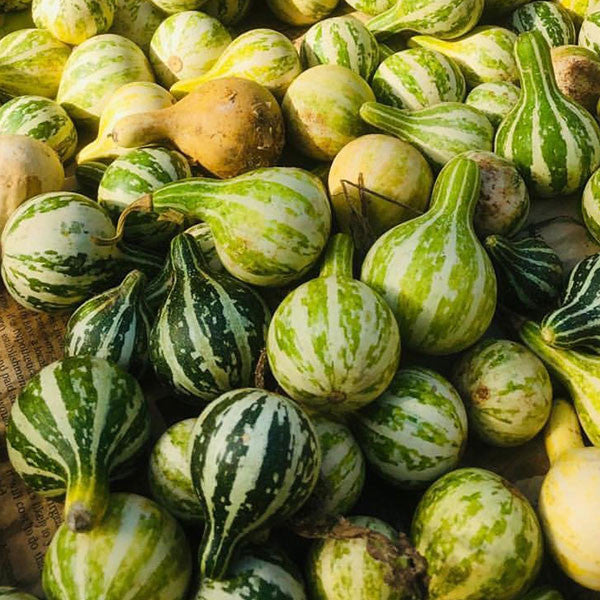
column 495, row 100
column 137, row 20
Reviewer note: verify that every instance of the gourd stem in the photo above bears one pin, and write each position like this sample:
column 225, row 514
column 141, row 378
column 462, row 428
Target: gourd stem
column 456, row 189
column 339, row 257
column 562, row 432
column 133, row 284
column 385, row 24
column 185, row 255
column 86, row 501
column 534, row 61
column 214, row 556
column 141, row 129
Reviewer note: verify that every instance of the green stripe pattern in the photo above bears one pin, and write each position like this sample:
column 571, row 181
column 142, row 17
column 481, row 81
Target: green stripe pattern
column 549, row 18
column 229, row 12
column 589, row 34
column 139, row 552
column 89, row 175
column 137, row 21
column 11, row 593
column 371, row 7
column 301, row 12
column 255, row 460
column 78, row 422
column 418, row 78
column 494, row 100
column 590, row 205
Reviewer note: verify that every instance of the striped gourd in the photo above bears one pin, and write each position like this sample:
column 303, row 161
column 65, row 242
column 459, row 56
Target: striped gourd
column 186, row 45
column 248, row 481
column 480, row 537
column 114, row 325
column 343, row 41
column 31, row 62
column 485, row 55
column 42, row 119
column 95, row 70
column 590, row 205
column 137, row 20
column 544, row 593
column 494, row 100
column 129, row 99
column 549, row 18
column 440, row 132
column 432, row 270
column 89, row 175
column 333, row 344
column 262, row 55
column 557, row 151
column 301, row 12
column 271, row 242
column 210, row 331
column 76, row 424
column 73, row 21
column 137, row 173
column 589, row 34
column 446, row 19
column 169, row 473
column 11, row 593
column 229, row 12
column 529, row 272
column 417, row 78
column 416, row 431
column 371, row 7
column 138, row 551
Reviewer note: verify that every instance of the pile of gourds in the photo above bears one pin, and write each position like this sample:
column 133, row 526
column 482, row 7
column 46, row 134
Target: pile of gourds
column 324, row 255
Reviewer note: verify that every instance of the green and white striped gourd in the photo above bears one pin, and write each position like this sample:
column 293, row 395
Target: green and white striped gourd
column 446, row 19
column 261, row 55
column 558, row 150
column 371, row 7
column 11, row 593
column 169, row 473
column 301, row 12
column 89, row 175
column 530, row 273
column 432, row 270
column 418, row 78
column 138, row 551
column 187, row 45
column 590, row 205
column 343, row 41
column 209, row 333
column 137, row 173
column 172, row 7
column 494, row 100
column 544, row 593
column 485, row 55
column 333, row 344
column 114, row 325
column 549, row 18
column 269, row 243
column 42, row 119
column 13, row 21
column 31, row 62
column 95, row 70
column 480, row 537
column 73, row 21
column 589, row 34
column 248, row 481
column 229, row 12
column 416, row 431
column 137, row 21
column 78, row 423
column 440, row 132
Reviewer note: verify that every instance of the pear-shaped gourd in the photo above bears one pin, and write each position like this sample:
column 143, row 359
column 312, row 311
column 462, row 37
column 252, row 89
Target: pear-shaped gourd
column 31, row 62
column 589, row 34
column 440, row 132
column 333, row 343
column 558, row 150
column 228, row 12
column 494, row 100
column 261, row 55
column 432, row 270
column 485, row 55
column 301, row 12
column 137, row 21
column 549, row 18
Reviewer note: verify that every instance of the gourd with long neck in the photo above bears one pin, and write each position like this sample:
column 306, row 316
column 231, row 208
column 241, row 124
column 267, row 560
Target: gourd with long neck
column 433, row 272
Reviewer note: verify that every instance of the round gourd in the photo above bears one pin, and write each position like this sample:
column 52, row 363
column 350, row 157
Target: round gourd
column 228, row 12
column 11, row 593
column 494, row 100
column 137, row 20
column 589, row 34
column 549, row 18
column 301, row 12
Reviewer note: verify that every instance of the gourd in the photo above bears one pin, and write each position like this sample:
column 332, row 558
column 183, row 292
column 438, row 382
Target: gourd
column 114, row 325
column 76, row 424
column 210, row 331
column 558, row 151
column 333, row 344
column 137, row 173
column 440, row 132
column 343, row 41
column 31, row 62
column 172, row 7
column 137, row 20
column 73, row 21
column 264, row 56
column 494, row 100
column 529, row 273
column 549, row 18
column 418, row 78
column 11, row 593
column 389, row 182
column 228, row 12
column 41, row 119
column 543, row 593
column 463, row 561
column 446, row 19
column 89, row 175
column 416, row 431
column 248, row 483
column 589, row 34
column 485, row 55
column 95, row 70
column 129, row 99
column 145, row 547
column 433, row 272
column 13, row 21
column 228, row 126
column 590, row 205
column 321, row 110
column 169, row 473
column 186, row 45
column 301, row 12
column 371, row 7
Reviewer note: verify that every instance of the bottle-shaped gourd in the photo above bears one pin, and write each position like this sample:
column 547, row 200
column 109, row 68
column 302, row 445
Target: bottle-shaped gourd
column 553, row 141
column 433, row 271
column 333, row 343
